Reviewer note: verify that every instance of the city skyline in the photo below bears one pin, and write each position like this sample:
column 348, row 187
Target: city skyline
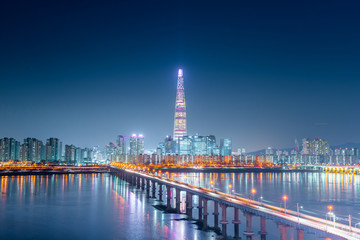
column 179, row 120
column 250, row 76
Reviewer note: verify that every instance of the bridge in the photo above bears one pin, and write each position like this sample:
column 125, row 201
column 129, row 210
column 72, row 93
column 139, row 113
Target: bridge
column 285, row 218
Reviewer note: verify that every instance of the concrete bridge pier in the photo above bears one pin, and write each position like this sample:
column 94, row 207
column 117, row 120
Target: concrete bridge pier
column 160, row 192
column 223, row 221
column 262, row 231
column 248, row 233
column 300, row 234
column 148, row 187
column 283, row 230
column 142, row 183
column 138, row 182
column 205, row 214
column 153, row 189
column 168, row 198
column 178, row 200
column 216, row 215
column 200, row 207
column 189, row 205
column 236, row 223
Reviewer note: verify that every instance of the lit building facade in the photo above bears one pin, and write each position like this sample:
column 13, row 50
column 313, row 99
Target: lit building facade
column 121, row 144
column 32, row 150
column 225, row 147
column 9, row 149
column 186, row 146
column 211, row 145
column 200, row 145
column 170, row 145
column 53, row 149
column 315, row 147
column 180, row 129
column 137, row 144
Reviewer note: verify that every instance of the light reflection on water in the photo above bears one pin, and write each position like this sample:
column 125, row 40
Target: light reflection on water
column 313, row 191
column 84, row 206
column 103, row 206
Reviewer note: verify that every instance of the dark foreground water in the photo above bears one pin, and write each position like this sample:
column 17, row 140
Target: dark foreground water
column 101, row 206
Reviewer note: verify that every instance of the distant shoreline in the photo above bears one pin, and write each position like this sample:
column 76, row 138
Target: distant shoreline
column 50, row 172
column 233, row 170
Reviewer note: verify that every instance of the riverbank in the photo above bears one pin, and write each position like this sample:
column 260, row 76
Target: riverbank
column 48, row 171
column 234, row 170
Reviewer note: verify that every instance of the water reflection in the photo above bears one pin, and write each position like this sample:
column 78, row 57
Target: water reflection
column 313, row 191
column 103, row 206
column 84, row 206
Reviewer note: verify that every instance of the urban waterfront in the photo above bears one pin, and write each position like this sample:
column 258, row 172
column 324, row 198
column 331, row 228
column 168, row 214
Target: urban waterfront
column 104, row 206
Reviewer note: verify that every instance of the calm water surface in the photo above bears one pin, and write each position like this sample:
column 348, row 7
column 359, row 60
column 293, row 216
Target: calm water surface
column 84, row 206
column 102, row 206
column 314, row 192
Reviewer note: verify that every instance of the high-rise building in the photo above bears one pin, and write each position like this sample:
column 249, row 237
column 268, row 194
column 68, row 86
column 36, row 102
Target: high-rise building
column 53, row 149
column 319, row 147
column 9, row 149
column 140, row 144
column 315, row 147
column 137, row 144
column 161, row 148
column 86, row 155
column 186, row 146
column 70, row 154
column 110, row 151
column 133, row 144
column 269, row 151
column 211, row 144
column 32, row 150
column 225, row 147
column 241, row 151
column 170, row 145
column 121, row 143
column 180, row 129
column 199, row 145
column 306, row 146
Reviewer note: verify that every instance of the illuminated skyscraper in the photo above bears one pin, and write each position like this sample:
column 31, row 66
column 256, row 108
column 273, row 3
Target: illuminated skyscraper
column 199, row 145
column 170, row 145
column 121, row 143
column 32, row 150
column 186, row 145
column 225, row 147
column 133, row 144
column 53, row 149
column 180, row 109
column 9, row 149
column 136, row 144
column 140, row 144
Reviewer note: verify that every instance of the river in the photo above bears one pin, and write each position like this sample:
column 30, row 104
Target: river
column 102, row 206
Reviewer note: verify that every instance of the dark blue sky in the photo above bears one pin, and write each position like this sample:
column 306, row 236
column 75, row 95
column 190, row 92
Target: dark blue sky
column 258, row 72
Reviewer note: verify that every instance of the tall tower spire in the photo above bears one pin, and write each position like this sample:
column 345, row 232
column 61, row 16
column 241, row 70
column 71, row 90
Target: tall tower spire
column 180, row 129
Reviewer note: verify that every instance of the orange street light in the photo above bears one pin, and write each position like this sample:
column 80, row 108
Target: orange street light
column 253, row 191
column 330, row 207
column 285, row 198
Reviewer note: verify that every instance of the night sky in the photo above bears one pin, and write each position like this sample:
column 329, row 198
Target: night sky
column 258, row 72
